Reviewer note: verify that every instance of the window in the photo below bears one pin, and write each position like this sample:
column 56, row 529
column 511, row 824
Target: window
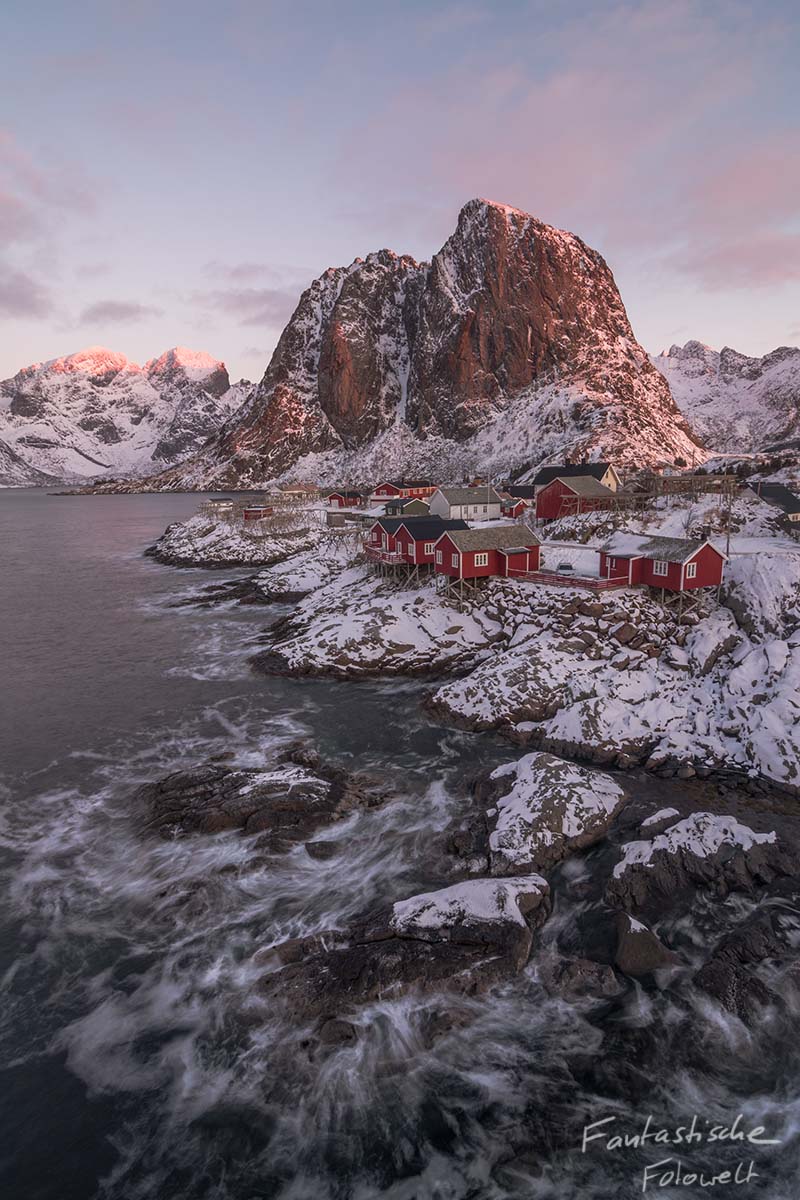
column 429, row 547
column 484, row 508
column 612, row 562
column 376, row 537
column 454, row 559
column 481, row 560
column 438, row 556
column 691, row 570
column 660, row 568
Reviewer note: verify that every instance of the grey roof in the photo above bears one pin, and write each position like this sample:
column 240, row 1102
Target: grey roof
column 776, row 493
column 585, row 485
column 496, row 537
column 402, row 501
column 420, row 527
column 665, row 549
column 470, row 495
column 567, row 470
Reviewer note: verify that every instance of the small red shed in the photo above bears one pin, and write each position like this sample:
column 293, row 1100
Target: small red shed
column 478, row 553
column 676, row 564
column 513, row 506
column 566, row 497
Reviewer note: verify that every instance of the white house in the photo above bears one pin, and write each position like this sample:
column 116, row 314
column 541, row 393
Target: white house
column 466, row 504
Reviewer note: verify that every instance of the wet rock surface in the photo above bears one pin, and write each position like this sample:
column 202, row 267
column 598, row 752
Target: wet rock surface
column 285, row 802
column 465, row 938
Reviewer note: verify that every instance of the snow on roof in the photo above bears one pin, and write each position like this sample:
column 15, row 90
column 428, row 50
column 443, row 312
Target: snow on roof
column 569, row 470
column 584, row 485
column 496, row 537
column 470, row 495
column 643, row 545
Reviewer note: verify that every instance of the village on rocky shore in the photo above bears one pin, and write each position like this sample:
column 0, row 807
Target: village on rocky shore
column 598, row 680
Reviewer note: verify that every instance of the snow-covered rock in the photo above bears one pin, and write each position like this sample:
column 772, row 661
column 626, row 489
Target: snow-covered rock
column 706, row 848
column 95, row 414
column 543, row 808
column 208, row 541
column 356, row 626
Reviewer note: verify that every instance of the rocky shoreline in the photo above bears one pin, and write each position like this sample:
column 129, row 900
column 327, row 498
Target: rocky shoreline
column 540, row 821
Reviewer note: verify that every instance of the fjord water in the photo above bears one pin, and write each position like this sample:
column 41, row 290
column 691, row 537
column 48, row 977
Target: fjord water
column 134, row 1062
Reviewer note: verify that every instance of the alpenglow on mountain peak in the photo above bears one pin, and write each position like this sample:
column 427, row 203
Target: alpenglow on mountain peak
column 510, row 346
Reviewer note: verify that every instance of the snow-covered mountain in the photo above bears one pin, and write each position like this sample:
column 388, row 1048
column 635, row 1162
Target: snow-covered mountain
column 510, row 347
column 95, row 413
column 734, row 402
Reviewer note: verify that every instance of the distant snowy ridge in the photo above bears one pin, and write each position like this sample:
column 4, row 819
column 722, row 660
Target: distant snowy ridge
column 96, row 414
column 734, row 402
column 511, row 346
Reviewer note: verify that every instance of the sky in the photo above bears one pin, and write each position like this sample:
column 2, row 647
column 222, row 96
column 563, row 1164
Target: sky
column 176, row 174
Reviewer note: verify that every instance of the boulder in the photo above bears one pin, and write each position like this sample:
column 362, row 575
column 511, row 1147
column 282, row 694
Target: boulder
column 464, row 937
column 705, row 849
column 286, row 802
column 639, row 951
column 542, row 808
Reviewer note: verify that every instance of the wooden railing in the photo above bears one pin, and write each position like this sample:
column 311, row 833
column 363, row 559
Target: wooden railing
column 379, row 555
column 554, row 579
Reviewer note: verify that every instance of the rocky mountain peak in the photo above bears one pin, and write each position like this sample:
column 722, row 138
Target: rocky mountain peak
column 510, row 346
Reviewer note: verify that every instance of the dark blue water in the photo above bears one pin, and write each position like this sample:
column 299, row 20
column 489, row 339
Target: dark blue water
column 132, row 1062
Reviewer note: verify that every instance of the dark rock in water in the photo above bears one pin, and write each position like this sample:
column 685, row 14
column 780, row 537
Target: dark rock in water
column 737, row 989
column 336, row 1032
column 239, row 591
column 465, row 937
column 725, row 976
column 286, row 802
column 576, row 978
column 639, row 951
column 706, row 849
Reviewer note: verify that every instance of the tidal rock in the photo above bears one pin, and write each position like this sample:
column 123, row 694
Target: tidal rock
column 639, row 951
column 542, row 808
column 705, row 849
column 285, row 802
column 464, row 937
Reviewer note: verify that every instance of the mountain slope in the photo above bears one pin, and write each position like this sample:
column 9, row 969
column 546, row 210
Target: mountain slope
column 95, row 413
column 734, row 402
column 511, row 346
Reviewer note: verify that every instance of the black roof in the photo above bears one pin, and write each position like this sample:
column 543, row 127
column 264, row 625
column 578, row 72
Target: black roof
column 401, row 483
column 421, row 528
column 776, row 493
column 401, row 501
column 342, row 492
column 568, row 470
column 525, row 491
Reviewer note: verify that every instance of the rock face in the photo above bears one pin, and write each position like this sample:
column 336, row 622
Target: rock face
column 512, row 344
column 95, row 413
column 284, row 803
column 733, row 401
column 464, row 937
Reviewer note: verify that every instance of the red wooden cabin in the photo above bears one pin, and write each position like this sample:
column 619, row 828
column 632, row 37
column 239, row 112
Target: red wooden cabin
column 404, row 487
column 513, row 506
column 676, row 564
column 345, row 499
column 566, row 497
column 417, row 536
column 506, row 550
